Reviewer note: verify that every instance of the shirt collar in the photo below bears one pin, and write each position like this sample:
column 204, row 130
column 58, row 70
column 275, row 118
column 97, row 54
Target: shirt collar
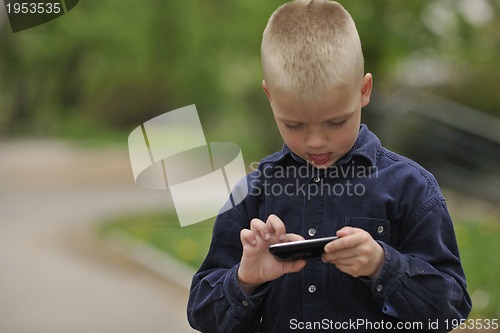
column 366, row 146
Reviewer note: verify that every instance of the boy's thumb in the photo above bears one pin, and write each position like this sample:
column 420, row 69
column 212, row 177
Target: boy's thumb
column 295, row 266
column 345, row 231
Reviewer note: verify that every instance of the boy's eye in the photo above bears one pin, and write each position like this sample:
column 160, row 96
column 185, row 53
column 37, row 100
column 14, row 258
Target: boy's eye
column 337, row 125
column 293, row 127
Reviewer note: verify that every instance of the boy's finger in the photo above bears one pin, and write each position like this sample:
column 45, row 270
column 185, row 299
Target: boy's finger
column 248, row 237
column 294, row 266
column 350, row 238
column 340, row 244
column 293, row 237
column 339, row 256
column 259, row 227
column 277, row 226
column 346, row 231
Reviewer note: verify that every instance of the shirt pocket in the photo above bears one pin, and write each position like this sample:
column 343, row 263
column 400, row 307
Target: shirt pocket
column 380, row 231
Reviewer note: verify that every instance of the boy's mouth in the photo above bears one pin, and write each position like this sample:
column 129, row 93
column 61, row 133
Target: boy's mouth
column 318, row 159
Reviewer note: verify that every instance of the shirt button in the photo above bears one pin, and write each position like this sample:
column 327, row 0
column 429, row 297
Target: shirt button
column 380, row 288
column 312, row 288
column 245, row 303
column 380, row 229
column 316, row 179
column 311, row 232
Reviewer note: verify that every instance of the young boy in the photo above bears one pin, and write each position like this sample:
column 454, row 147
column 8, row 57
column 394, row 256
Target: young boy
column 395, row 266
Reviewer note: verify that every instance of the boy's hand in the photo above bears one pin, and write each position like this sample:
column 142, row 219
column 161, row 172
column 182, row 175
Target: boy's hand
column 257, row 264
column 355, row 253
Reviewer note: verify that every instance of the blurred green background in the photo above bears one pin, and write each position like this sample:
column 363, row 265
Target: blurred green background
column 110, row 65
column 107, row 66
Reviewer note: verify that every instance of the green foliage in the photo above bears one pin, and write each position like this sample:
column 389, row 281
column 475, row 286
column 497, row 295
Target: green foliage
column 118, row 63
column 162, row 230
column 479, row 248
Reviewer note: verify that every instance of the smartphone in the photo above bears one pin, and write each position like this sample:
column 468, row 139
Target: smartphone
column 304, row 249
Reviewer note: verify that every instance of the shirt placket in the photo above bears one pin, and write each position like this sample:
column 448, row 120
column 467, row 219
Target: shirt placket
column 313, row 289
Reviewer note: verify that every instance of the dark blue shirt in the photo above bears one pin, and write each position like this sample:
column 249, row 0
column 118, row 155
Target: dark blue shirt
column 421, row 285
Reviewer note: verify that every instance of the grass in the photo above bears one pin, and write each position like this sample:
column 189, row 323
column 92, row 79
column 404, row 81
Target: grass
column 162, row 230
column 480, row 253
column 90, row 133
column 478, row 241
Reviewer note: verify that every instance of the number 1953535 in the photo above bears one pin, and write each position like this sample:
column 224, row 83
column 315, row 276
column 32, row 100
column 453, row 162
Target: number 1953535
column 34, row 7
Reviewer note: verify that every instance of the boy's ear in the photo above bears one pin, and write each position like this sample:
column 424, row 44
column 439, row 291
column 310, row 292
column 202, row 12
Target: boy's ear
column 266, row 91
column 366, row 89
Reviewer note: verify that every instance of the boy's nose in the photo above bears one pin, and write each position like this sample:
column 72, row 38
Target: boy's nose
column 316, row 140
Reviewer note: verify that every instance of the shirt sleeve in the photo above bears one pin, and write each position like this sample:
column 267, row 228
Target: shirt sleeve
column 216, row 301
column 423, row 280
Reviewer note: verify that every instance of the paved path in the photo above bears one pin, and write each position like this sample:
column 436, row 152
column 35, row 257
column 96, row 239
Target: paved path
column 55, row 276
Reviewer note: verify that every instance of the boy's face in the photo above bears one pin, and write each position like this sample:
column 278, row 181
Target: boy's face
column 323, row 130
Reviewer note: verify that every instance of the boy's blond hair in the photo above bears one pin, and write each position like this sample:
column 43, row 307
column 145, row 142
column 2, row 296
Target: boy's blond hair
column 310, row 46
